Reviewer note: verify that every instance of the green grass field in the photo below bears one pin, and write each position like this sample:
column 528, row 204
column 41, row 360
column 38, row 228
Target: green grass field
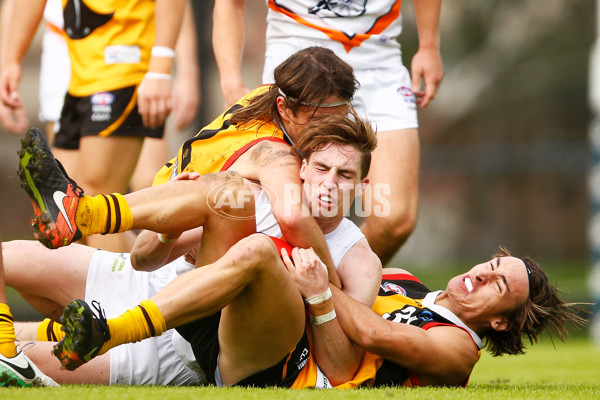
column 547, row 371
column 564, row 371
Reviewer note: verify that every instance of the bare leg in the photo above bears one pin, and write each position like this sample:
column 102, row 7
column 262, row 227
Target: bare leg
column 26, row 331
column 47, row 279
column 182, row 205
column 96, row 372
column 263, row 312
column 99, row 172
column 153, row 156
column 395, row 165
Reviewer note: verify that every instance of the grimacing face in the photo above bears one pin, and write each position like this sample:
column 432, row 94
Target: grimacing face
column 331, row 177
column 488, row 291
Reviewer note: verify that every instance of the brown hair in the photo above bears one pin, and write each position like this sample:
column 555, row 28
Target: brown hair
column 329, row 129
column 310, row 75
column 543, row 310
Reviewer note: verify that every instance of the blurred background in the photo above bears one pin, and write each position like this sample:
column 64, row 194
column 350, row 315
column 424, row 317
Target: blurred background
column 505, row 154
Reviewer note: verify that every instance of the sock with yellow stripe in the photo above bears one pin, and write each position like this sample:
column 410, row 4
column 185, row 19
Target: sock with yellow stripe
column 49, row 331
column 7, row 332
column 103, row 214
column 139, row 323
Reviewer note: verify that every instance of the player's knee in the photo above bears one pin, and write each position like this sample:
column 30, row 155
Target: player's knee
column 397, row 227
column 257, row 252
column 228, row 193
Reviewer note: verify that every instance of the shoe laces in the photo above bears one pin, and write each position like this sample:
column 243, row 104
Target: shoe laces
column 101, row 319
column 76, row 188
column 25, row 346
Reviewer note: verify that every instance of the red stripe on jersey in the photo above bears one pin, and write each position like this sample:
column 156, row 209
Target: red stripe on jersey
column 241, row 151
column 401, row 277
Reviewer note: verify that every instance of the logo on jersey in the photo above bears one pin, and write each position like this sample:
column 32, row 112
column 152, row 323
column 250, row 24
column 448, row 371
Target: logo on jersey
column 407, row 94
column 336, row 8
column 102, row 99
column 101, row 106
column 392, row 287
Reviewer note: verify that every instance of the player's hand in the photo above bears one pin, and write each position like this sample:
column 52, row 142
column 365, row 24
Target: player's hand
column 9, row 85
column 307, row 270
column 154, row 101
column 186, row 176
column 192, row 255
column 426, row 68
column 186, row 99
column 232, row 94
column 13, row 119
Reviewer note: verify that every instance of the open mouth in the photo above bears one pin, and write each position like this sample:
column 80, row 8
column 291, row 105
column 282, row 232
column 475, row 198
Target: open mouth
column 326, row 199
column 469, row 285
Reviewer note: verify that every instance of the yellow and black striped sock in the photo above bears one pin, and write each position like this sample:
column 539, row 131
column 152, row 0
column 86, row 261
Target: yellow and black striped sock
column 7, row 332
column 49, row 331
column 139, row 323
column 103, row 214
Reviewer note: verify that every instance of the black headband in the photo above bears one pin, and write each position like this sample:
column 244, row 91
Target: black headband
column 528, row 269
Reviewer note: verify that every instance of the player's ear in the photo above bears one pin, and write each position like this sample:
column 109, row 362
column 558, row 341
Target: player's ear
column 303, row 169
column 361, row 187
column 282, row 109
column 500, row 324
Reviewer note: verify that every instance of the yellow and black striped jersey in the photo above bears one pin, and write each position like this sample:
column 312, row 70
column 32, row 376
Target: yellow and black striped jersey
column 402, row 299
column 219, row 144
column 109, row 43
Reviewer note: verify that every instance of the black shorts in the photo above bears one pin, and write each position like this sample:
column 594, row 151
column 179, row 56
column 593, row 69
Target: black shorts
column 203, row 336
column 110, row 113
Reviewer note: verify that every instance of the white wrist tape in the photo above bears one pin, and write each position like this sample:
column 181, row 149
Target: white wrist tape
column 320, row 298
column 164, row 239
column 321, row 319
column 162, row 51
column 157, row 75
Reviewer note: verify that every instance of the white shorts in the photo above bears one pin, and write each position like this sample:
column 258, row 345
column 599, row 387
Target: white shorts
column 118, row 287
column 384, row 97
column 55, row 73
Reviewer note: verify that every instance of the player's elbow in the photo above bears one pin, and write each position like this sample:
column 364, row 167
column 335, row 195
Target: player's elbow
column 292, row 220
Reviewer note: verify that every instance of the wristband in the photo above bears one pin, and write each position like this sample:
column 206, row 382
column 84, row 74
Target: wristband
column 157, row 75
column 321, row 319
column 320, row 298
column 162, row 51
column 164, row 239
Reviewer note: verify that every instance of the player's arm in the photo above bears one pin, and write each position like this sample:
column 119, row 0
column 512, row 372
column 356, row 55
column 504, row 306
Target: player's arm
column 12, row 119
column 229, row 24
column 278, row 171
column 186, row 88
column 23, row 23
column 335, row 354
column 151, row 251
column 427, row 61
column 154, row 94
column 440, row 356
column 360, row 273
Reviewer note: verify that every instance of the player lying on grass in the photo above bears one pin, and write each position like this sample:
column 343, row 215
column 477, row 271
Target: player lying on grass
column 244, row 316
column 336, row 152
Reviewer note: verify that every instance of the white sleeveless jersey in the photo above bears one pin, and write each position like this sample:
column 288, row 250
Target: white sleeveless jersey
column 339, row 241
column 361, row 32
column 53, row 13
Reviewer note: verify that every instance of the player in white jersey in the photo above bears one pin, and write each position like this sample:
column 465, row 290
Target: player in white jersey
column 363, row 33
column 111, row 280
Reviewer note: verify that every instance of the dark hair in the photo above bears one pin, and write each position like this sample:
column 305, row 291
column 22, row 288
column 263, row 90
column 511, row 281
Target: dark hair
column 327, row 129
column 543, row 310
column 310, row 75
